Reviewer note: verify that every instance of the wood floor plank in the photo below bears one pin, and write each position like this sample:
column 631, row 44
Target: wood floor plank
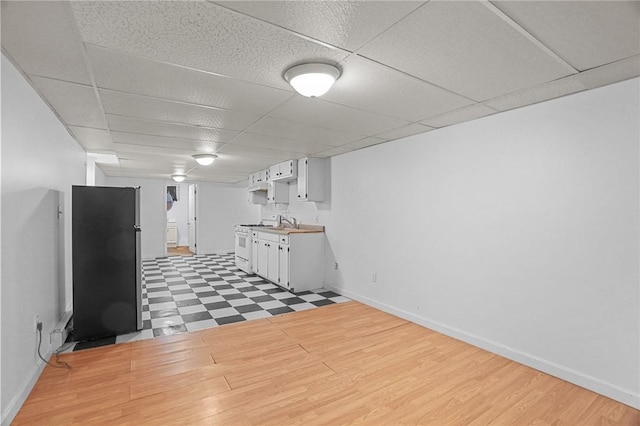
column 339, row 364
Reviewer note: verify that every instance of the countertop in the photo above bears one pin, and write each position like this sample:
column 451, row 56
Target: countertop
column 302, row 229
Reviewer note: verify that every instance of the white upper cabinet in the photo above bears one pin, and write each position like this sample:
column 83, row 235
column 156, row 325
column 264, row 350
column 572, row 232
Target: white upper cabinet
column 287, row 170
column 311, row 179
column 278, row 192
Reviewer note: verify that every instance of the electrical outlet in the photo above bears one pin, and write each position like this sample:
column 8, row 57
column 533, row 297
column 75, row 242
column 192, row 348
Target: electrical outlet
column 374, row 277
column 335, row 265
column 36, row 321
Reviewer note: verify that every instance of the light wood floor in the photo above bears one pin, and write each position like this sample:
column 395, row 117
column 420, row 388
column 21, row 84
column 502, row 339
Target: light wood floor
column 179, row 251
column 344, row 363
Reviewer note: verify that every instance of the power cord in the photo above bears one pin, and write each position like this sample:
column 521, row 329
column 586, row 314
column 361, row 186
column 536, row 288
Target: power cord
column 62, row 364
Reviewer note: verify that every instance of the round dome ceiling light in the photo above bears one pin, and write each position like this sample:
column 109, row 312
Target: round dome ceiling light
column 312, row 80
column 178, row 177
column 205, row 159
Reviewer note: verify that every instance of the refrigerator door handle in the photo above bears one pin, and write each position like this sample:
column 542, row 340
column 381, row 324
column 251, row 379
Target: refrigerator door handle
column 137, row 228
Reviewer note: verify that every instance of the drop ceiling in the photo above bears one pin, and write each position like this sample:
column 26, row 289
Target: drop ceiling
column 157, row 82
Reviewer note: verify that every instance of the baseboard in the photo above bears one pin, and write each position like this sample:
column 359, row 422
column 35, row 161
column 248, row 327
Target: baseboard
column 16, row 403
column 594, row 384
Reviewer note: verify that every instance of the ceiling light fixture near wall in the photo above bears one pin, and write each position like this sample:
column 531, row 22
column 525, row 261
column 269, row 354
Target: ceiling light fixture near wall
column 205, row 159
column 312, row 80
column 178, row 177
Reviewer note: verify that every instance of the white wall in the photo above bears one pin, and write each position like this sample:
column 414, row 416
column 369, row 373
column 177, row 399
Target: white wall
column 220, row 208
column 153, row 207
column 40, row 160
column 180, row 213
column 517, row 232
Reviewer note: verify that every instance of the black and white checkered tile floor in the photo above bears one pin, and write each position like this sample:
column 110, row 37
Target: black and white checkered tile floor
column 188, row 293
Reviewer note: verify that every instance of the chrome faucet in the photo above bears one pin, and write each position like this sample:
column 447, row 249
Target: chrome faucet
column 293, row 222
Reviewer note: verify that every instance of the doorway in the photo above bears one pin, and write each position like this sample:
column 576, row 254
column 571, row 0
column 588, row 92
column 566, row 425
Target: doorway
column 177, row 220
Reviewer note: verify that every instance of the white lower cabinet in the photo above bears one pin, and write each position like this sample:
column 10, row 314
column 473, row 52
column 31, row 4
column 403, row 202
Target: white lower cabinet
column 294, row 262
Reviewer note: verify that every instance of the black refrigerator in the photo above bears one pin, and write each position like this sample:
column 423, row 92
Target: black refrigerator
column 107, row 270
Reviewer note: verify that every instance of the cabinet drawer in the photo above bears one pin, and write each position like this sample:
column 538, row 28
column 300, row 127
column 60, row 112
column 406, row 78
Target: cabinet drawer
column 267, row 236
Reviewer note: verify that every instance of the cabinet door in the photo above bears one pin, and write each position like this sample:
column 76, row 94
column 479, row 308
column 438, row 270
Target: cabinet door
column 263, row 258
column 302, row 179
column 272, row 262
column 283, row 265
column 254, row 256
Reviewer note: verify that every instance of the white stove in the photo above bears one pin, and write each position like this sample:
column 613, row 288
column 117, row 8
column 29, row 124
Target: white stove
column 243, row 245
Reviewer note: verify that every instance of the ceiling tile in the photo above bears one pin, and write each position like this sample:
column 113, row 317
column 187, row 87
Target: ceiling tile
column 93, row 139
column 76, row 104
column 133, row 74
column 363, row 143
column 286, row 129
column 333, row 152
column 543, row 92
column 190, row 33
column 39, row 37
column 463, row 114
column 265, row 153
column 610, row 73
column 172, row 130
column 317, row 112
column 373, row 87
column 346, row 24
column 584, row 33
column 280, row 144
column 453, row 45
column 401, row 132
column 165, row 142
column 178, row 112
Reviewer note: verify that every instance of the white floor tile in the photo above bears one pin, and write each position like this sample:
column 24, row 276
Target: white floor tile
column 212, row 299
column 191, row 309
column 257, row 315
column 224, row 312
column 302, row 306
column 201, row 325
column 185, row 296
column 240, row 302
column 155, row 294
column 159, row 306
column 311, row 297
column 271, row 304
column 166, row 322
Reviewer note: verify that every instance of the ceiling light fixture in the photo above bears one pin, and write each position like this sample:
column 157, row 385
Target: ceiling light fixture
column 312, row 80
column 178, row 177
column 205, row 159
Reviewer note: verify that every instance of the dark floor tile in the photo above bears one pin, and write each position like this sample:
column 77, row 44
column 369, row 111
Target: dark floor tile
column 146, row 324
column 196, row 316
column 292, row 301
column 217, row 305
column 168, row 331
column 273, row 290
column 219, row 287
column 163, row 313
column 172, row 283
column 181, row 291
column 322, row 302
column 302, row 293
column 154, row 280
column 236, row 281
column 233, row 296
column 229, row 320
column 207, row 294
column 188, row 302
column 155, row 289
column 246, row 289
column 199, row 285
column 95, row 343
column 154, row 300
column 247, row 308
column 145, row 308
column 283, row 310
column 213, row 279
column 328, row 294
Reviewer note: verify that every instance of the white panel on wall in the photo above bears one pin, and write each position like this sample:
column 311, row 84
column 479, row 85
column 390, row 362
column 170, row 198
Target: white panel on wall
column 518, row 232
column 40, row 162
